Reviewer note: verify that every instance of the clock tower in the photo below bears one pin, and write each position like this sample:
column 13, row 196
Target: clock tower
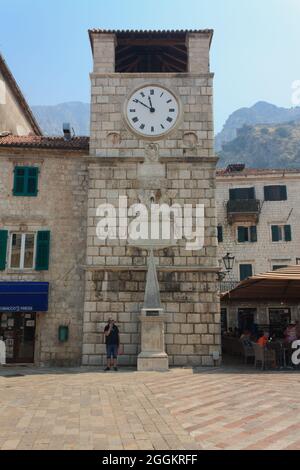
column 151, row 142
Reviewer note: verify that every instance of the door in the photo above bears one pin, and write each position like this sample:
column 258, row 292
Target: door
column 18, row 332
column 246, row 319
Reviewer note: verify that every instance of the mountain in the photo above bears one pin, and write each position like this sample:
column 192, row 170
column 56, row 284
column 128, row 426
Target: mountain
column 260, row 113
column 264, row 146
column 51, row 118
column 261, row 136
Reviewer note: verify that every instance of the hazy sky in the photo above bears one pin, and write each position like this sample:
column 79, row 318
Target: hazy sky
column 255, row 52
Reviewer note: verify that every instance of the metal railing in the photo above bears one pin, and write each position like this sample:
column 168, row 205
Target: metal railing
column 226, row 286
column 243, row 206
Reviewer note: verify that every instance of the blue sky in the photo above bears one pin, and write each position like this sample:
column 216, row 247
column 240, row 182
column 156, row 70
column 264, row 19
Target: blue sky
column 255, row 52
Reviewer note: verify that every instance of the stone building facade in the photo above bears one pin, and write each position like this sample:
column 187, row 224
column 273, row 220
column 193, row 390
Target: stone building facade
column 261, row 231
column 176, row 168
column 59, row 207
column 263, row 253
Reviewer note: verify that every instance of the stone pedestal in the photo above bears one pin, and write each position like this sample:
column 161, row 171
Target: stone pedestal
column 152, row 356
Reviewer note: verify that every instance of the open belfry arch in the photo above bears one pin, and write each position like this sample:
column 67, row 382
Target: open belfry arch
column 151, row 141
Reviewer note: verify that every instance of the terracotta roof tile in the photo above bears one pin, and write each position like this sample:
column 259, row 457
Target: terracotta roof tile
column 146, row 32
column 34, row 141
column 255, row 172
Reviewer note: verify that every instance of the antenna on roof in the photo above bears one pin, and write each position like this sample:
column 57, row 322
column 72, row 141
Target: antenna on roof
column 67, row 131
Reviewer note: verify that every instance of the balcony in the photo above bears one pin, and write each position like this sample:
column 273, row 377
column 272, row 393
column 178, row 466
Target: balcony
column 243, row 210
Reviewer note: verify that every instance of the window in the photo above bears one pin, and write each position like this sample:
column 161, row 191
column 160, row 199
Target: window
column 22, row 250
column 241, row 193
column 220, row 233
column 279, row 266
column 25, row 181
column 281, row 233
column 29, row 250
column 275, row 193
column 247, row 234
column 245, row 271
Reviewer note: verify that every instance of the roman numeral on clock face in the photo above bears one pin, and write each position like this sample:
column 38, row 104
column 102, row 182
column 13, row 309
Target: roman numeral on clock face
column 135, row 119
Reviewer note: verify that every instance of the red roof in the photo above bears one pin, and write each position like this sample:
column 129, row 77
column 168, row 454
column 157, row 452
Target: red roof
column 34, row 141
column 255, row 172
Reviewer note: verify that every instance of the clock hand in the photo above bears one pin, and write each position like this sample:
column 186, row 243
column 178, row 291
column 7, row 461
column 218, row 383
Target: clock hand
column 138, row 101
column 152, row 110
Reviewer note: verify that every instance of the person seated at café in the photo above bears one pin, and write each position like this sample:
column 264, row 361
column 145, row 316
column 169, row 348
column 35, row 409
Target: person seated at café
column 263, row 341
column 246, row 338
column 229, row 332
column 297, row 325
column 246, row 335
column 290, row 334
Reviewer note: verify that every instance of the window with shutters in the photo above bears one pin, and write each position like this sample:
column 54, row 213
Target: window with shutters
column 22, row 247
column 279, row 266
column 29, row 250
column 25, row 181
column 281, row 233
column 238, row 194
column 247, row 234
column 246, row 271
column 275, row 193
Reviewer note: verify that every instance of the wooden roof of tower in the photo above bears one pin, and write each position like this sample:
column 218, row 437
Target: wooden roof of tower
column 167, row 48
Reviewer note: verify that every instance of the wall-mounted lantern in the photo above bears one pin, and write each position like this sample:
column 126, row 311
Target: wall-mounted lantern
column 228, row 262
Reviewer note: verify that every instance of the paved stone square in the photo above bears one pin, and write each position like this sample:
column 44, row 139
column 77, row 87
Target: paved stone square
column 84, row 408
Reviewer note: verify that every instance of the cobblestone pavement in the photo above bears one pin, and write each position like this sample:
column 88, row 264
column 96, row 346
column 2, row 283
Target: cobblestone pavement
column 83, row 408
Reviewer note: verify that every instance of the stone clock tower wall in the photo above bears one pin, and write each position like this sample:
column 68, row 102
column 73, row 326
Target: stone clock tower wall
column 177, row 168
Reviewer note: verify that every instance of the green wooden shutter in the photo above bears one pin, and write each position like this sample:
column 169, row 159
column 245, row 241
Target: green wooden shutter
column 42, row 251
column 19, row 181
column 3, row 248
column 32, row 181
column 283, row 193
column 245, row 271
column 242, row 234
column 275, row 233
column 287, row 233
column 232, row 194
column 251, row 193
column 220, row 233
column 253, row 234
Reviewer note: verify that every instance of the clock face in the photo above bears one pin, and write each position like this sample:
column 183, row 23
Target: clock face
column 152, row 111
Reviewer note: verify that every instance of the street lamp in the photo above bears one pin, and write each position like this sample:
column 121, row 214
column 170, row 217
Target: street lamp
column 228, row 261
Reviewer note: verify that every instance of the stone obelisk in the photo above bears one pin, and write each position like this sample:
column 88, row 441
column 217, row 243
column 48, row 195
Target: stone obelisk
column 152, row 356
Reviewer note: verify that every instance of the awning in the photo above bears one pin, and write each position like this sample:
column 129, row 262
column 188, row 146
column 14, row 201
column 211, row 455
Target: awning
column 281, row 285
column 24, row 296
